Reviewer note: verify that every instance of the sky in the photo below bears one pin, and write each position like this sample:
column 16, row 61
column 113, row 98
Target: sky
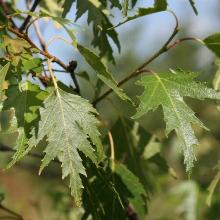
column 154, row 28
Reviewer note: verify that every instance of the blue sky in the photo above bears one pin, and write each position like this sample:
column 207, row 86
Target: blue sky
column 154, row 28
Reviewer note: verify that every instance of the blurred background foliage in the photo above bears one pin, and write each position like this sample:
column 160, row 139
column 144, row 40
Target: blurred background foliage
column 173, row 195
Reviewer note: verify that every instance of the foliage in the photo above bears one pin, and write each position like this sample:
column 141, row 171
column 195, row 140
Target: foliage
column 112, row 170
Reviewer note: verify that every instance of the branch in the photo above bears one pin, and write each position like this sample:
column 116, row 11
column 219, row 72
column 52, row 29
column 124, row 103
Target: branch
column 179, row 41
column 28, row 18
column 4, row 148
column 15, row 215
column 138, row 71
column 68, row 68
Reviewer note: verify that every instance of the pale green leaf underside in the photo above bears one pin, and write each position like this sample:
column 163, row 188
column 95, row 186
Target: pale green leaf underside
column 69, row 124
column 167, row 90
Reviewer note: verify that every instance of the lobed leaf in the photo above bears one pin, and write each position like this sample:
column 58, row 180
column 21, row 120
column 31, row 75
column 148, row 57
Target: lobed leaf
column 167, row 90
column 69, row 125
column 98, row 16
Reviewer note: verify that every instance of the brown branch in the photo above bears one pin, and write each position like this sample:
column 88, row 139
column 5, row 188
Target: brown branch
column 138, row 70
column 15, row 215
column 4, row 148
column 67, row 68
column 28, row 18
column 179, row 41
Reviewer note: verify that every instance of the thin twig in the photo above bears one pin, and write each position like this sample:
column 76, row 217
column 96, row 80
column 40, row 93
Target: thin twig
column 177, row 42
column 28, row 18
column 16, row 215
column 45, row 53
column 33, row 45
column 138, row 70
column 4, row 148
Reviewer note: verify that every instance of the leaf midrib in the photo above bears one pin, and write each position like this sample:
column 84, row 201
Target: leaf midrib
column 169, row 97
column 64, row 126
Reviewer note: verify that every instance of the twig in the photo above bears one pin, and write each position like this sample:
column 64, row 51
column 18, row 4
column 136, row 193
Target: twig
column 16, row 215
column 4, row 148
column 28, row 18
column 45, row 53
column 33, row 45
column 138, row 71
column 177, row 42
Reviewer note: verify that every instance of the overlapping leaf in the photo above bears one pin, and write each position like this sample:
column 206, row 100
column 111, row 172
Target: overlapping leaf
column 167, row 90
column 95, row 62
column 137, row 149
column 97, row 15
column 25, row 98
column 69, row 125
column 114, row 195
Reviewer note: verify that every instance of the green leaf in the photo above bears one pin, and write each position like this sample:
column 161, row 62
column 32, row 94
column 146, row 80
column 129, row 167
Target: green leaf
column 133, row 2
column 97, row 15
column 3, row 72
column 113, row 195
column 137, row 198
column 67, row 6
column 130, row 140
column 159, row 5
column 213, row 43
column 69, row 125
column 213, row 185
column 138, row 150
column 192, row 3
column 26, row 99
column 116, row 3
column 33, row 63
column 167, row 90
column 95, row 62
column 54, row 8
column 15, row 48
